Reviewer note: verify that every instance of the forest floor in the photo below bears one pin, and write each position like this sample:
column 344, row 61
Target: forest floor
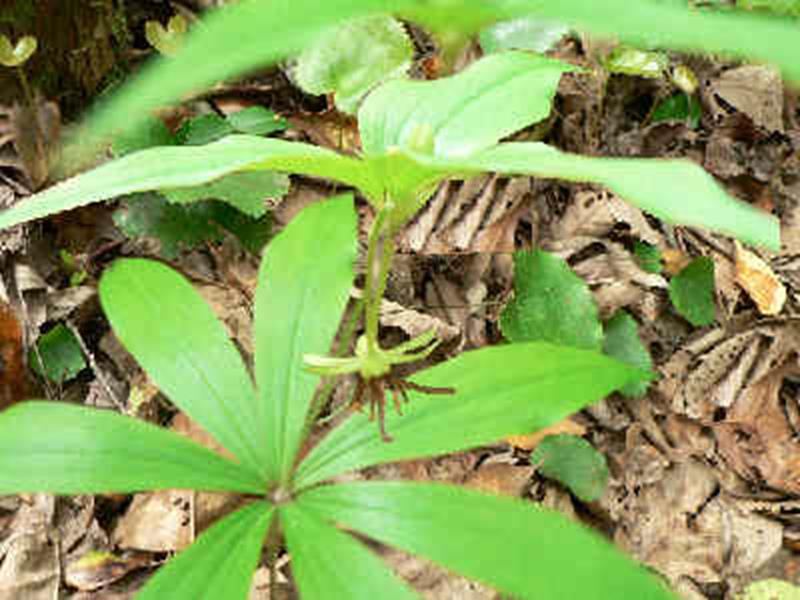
column 704, row 469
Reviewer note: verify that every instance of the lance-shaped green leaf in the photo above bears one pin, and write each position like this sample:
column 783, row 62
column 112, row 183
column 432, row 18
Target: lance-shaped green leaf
column 499, row 391
column 519, row 548
column 67, row 449
column 304, row 282
column 329, row 564
column 464, row 113
column 678, row 191
column 178, row 167
column 176, row 338
column 676, row 25
column 245, row 191
column 219, row 564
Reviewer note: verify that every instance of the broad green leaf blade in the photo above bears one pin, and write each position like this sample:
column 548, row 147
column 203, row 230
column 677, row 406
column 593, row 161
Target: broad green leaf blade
column 574, row 462
column 464, row 113
column 304, row 283
column 153, row 132
column 257, row 120
column 220, row 564
column 519, row 548
column 678, row 191
column 175, row 228
column 622, row 342
column 675, row 25
column 203, row 129
column 178, row 340
column 329, row 564
column 66, row 449
column 246, row 191
column 692, row 292
column 350, row 60
column 500, row 391
column 229, row 42
column 176, row 167
column 550, row 304
column 57, row 355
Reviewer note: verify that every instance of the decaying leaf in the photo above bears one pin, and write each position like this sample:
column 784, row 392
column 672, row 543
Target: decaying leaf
column 95, row 570
column 755, row 90
column 685, row 528
column 756, row 437
column 477, row 215
column 713, row 371
column 759, row 281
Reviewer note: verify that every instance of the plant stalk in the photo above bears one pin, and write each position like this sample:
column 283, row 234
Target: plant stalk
column 379, row 259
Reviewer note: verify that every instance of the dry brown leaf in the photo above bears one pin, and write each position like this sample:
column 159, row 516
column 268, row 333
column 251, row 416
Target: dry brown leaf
column 160, row 521
column 413, row 322
column 685, row 528
column 759, row 281
column 711, row 372
column 95, row 570
column 30, row 565
column 755, row 90
column 756, row 438
column 477, row 215
column 501, row 479
column 594, row 213
column 674, row 260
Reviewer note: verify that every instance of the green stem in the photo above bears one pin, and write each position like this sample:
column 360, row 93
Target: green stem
column 342, row 349
column 373, row 288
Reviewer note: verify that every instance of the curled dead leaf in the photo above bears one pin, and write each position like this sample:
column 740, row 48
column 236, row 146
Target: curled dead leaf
column 756, row 277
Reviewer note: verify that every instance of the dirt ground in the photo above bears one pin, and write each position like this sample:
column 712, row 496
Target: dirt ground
column 705, row 469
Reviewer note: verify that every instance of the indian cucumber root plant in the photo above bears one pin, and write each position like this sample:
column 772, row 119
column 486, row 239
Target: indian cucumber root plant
column 414, row 135
column 192, row 360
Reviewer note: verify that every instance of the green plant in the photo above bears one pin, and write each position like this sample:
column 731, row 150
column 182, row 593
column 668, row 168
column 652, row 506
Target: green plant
column 68, row 449
column 414, row 135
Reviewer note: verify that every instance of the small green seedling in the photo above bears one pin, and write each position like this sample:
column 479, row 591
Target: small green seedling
column 518, row 548
column 15, row 55
column 167, row 40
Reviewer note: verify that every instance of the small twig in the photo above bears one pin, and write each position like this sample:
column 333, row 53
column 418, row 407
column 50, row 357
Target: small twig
column 95, row 368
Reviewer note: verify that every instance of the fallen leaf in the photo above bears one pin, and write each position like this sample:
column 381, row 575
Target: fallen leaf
column 759, row 281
